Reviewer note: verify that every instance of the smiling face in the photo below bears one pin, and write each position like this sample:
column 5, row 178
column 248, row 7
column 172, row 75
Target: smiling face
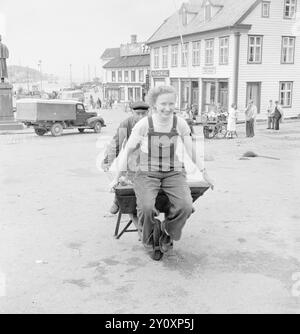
column 165, row 106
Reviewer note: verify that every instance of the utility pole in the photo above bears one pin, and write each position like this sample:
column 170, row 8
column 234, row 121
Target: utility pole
column 27, row 79
column 41, row 76
column 71, row 79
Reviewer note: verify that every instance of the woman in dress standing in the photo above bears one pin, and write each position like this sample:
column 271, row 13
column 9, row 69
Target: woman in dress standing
column 232, row 118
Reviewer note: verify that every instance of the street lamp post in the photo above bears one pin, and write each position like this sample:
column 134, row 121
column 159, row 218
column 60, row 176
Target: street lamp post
column 40, row 70
column 71, row 79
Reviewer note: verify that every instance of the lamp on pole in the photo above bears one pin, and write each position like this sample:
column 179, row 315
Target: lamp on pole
column 40, row 70
column 71, row 79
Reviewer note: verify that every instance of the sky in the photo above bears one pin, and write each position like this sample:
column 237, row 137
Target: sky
column 64, row 32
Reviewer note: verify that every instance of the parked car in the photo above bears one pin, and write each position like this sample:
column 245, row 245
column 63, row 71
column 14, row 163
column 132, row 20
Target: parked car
column 57, row 115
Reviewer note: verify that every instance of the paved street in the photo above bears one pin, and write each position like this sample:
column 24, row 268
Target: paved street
column 239, row 252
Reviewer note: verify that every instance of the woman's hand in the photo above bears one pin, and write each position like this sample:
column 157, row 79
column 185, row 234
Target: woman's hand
column 113, row 184
column 208, row 180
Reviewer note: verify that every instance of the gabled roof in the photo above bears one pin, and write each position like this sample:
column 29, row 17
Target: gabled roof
column 131, row 61
column 229, row 15
column 111, row 53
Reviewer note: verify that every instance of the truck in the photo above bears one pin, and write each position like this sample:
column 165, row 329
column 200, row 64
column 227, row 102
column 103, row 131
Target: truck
column 55, row 116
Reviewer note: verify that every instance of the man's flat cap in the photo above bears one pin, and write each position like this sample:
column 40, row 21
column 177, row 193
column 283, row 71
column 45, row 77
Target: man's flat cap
column 140, row 106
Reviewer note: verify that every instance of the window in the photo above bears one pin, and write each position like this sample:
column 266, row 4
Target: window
column 137, row 92
column 288, row 50
column 122, row 93
column 255, row 49
column 224, row 50
column 290, row 9
column 126, row 76
column 184, row 17
column 156, row 58
column 130, row 94
column 120, row 76
column 209, row 52
column 113, row 76
column 133, row 78
column 265, row 9
column 141, row 76
column 207, row 12
column 286, row 90
column 165, row 54
column 196, row 53
column 185, row 54
column 174, row 55
column 80, row 107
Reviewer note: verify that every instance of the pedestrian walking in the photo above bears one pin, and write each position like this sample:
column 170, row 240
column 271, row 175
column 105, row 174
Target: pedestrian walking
column 111, row 102
column 92, row 102
column 251, row 114
column 231, row 123
column 160, row 168
column 270, row 113
column 278, row 115
column 99, row 103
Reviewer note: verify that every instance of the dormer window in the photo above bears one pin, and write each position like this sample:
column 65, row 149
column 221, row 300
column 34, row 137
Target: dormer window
column 184, row 17
column 290, row 9
column 208, row 12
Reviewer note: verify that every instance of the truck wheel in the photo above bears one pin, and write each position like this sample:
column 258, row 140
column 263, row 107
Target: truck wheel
column 40, row 132
column 81, row 130
column 57, row 129
column 98, row 127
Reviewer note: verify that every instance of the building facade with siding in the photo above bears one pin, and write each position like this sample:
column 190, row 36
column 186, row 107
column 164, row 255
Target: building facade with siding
column 125, row 75
column 228, row 51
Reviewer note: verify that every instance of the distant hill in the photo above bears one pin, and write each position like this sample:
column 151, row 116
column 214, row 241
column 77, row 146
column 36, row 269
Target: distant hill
column 23, row 74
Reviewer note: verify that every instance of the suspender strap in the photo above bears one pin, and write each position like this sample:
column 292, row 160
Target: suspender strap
column 151, row 131
column 175, row 121
column 151, row 125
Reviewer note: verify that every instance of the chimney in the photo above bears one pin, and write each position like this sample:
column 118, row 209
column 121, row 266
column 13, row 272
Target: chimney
column 133, row 39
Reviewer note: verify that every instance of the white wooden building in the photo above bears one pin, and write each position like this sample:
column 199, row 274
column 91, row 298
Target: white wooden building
column 125, row 75
column 229, row 51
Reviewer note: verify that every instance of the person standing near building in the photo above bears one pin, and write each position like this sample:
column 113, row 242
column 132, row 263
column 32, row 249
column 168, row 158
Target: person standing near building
column 92, row 102
column 251, row 114
column 270, row 112
column 99, row 103
column 278, row 115
column 231, row 124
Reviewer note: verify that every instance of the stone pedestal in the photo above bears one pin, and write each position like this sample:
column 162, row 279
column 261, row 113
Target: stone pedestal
column 7, row 121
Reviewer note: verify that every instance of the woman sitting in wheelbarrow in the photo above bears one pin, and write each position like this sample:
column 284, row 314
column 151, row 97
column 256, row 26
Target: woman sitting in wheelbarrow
column 160, row 168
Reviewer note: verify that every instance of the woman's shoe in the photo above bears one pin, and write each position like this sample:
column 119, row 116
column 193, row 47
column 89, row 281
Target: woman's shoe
column 156, row 255
column 165, row 243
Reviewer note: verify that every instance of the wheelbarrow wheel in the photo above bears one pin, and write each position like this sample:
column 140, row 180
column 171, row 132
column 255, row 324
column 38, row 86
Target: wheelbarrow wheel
column 156, row 254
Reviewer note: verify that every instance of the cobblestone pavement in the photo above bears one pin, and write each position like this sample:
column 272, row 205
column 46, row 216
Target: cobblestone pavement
column 239, row 253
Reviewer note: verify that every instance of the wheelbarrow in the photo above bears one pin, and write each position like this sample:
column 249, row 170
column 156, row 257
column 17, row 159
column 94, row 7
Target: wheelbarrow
column 127, row 203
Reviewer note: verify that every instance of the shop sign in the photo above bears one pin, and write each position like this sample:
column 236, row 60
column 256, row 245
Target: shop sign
column 160, row 74
column 209, row 70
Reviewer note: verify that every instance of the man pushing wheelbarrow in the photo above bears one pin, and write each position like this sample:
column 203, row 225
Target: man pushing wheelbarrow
column 161, row 170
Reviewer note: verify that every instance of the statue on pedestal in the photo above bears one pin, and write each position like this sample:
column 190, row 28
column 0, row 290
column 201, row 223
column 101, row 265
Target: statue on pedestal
column 4, row 54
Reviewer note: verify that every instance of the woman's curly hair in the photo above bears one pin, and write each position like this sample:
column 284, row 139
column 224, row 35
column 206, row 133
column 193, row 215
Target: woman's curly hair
column 155, row 92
